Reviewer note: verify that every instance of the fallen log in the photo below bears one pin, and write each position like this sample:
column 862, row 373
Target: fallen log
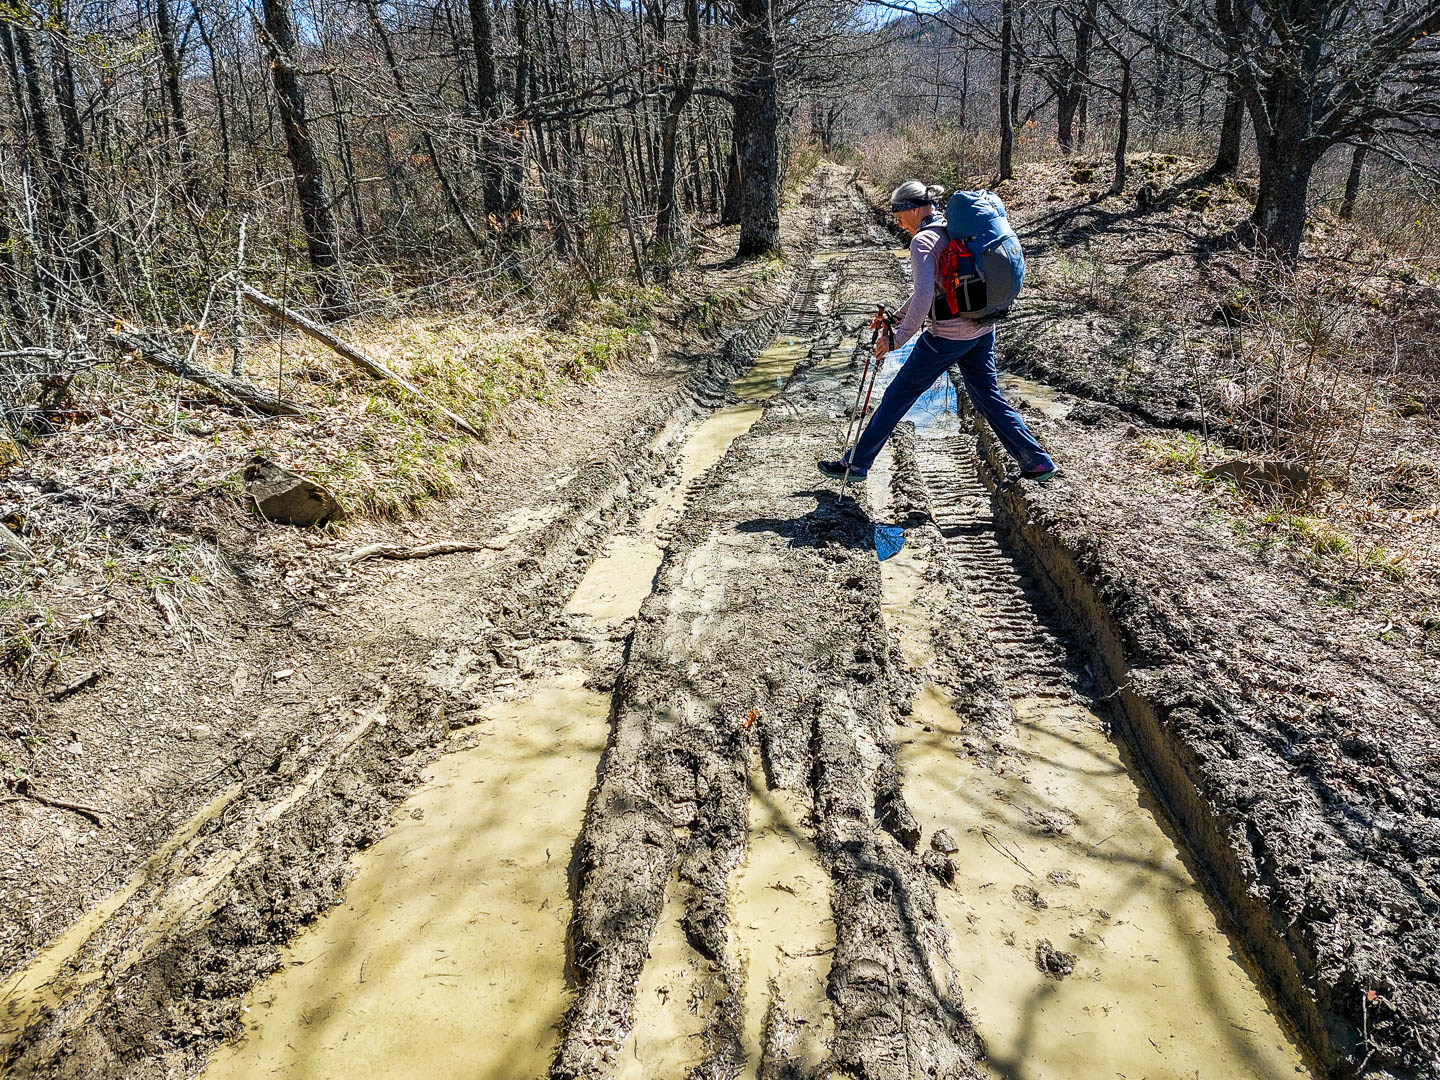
column 310, row 328
column 223, row 385
column 423, row 551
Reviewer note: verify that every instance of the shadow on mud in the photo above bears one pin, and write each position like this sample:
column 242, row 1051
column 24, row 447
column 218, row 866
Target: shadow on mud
column 833, row 521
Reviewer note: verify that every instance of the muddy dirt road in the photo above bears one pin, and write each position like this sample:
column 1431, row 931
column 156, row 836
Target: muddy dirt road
column 755, row 804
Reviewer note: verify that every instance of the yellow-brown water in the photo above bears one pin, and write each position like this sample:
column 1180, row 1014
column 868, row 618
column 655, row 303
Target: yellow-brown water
column 771, row 368
column 672, row 1000
column 447, row 957
column 1058, row 844
column 782, row 930
column 608, row 591
column 1045, row 400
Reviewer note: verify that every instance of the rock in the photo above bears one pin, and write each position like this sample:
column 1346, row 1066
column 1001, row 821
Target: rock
column 287, row 498
column 12, row 547
column 1262, row 477
column 943, row 842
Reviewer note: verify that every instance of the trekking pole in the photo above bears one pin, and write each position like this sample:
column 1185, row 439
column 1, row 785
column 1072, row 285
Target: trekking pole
column 882, row 319
column 860, row 387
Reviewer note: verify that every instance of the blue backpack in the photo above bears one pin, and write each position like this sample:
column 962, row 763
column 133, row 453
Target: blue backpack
column 981, row 270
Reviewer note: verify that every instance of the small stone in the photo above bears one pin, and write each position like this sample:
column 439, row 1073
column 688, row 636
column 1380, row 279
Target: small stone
column 943, row 842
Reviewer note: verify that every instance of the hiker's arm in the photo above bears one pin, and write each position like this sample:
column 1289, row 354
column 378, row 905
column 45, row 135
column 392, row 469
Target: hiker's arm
column 922, row 267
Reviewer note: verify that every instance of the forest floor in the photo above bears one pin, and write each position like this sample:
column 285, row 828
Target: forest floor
column 674, row 778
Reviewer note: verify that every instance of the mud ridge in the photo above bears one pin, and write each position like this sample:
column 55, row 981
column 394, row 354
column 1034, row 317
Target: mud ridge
column 762, row 643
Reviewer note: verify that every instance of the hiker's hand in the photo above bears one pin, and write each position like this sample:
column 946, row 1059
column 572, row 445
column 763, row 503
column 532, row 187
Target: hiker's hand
column 882, row 346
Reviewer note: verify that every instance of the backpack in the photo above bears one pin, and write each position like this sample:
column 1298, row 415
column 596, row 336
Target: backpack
column 981, row 269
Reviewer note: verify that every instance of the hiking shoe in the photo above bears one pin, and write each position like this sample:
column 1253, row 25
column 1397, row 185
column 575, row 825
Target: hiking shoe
column 1041, row 474
column 835, row 470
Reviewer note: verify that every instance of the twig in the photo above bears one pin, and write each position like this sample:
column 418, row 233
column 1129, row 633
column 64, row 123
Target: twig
column 25, row 790
column 423, row 551
column 1003, row 850
column 75, row 685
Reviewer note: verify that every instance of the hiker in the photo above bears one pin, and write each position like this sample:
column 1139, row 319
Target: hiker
column 948, row 341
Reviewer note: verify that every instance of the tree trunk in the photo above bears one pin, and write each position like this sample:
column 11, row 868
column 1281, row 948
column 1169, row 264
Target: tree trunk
column 1122, row 135
column 757, row 99
column 665, row 220
column 448, row 189
column 1007, row 131
column 1352, row 183
column 1279, row 217
column 322, row 239
column 170, row 68
column 1066, row 105
column 73, row 161
column 1227, row 156
column 221, row 111
column 734, row 172
column 59, row 214
column 514, row 164
column 487, row 106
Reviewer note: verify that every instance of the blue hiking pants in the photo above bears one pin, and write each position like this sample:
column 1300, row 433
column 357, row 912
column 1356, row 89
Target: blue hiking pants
column 929, row 360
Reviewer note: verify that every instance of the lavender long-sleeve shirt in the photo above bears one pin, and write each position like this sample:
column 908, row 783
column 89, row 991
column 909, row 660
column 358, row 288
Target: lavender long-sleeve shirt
column 925, row 249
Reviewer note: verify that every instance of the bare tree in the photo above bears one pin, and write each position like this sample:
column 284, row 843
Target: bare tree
column 1317, row 74
column 322, row 239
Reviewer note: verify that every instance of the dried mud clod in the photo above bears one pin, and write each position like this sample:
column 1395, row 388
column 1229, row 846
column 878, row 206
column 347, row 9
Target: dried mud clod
column 1054, row 963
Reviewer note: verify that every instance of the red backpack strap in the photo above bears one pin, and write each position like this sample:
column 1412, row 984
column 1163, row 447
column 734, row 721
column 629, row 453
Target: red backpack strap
column 948, row 268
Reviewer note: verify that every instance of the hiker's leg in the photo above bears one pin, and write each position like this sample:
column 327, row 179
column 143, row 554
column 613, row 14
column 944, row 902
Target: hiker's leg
column 977, row 365
column 923, row 366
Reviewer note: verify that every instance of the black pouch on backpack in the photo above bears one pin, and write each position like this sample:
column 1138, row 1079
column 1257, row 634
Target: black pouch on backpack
column 969, row 294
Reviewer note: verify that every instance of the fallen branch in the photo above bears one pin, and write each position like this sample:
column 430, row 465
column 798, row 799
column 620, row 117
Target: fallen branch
column 224, row 385
column 310, row 328
column 25, row 790
column 424, row 551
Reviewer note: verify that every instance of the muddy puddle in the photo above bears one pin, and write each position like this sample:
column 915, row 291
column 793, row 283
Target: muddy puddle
column 1082, row 941
column 782, row 936
column 37, row 985
column 782, row 930
column 1037, row 397
column 616, row 584
column 673, row 999
column 772, row 367
column 447, row 957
